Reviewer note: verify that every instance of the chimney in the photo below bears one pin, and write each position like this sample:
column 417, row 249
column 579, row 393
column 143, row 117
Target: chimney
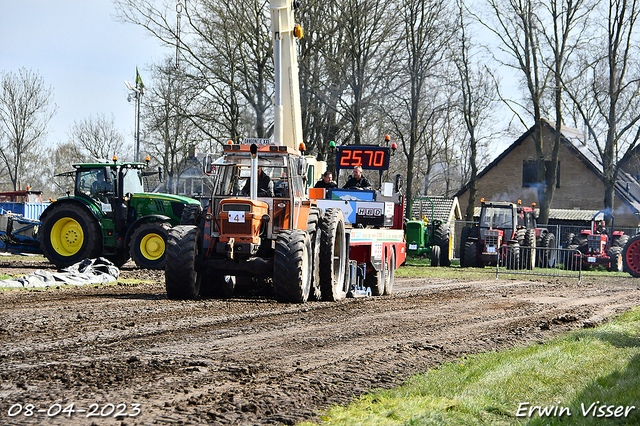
column 193, row 151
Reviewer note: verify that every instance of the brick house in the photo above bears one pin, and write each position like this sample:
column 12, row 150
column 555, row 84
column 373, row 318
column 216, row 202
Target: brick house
column 511, row 177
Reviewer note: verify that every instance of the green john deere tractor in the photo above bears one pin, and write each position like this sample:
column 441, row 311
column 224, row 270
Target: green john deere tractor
column 428, row 237
column 110, row 215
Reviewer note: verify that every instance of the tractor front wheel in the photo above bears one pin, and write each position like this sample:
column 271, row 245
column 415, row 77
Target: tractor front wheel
column 292, row 263
column 148, row 245
column 181, row 278
column 69, row 234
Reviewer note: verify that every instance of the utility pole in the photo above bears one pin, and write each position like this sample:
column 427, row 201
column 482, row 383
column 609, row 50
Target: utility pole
column 136, row 93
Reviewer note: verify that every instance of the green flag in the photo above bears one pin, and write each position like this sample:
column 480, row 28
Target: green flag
column 139, row 82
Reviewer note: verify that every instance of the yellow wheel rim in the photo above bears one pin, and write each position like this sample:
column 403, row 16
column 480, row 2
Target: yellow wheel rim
column 67, row 236
column 152, row 246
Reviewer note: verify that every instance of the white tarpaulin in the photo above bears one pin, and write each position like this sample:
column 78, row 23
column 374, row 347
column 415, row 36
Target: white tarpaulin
column 88, row 271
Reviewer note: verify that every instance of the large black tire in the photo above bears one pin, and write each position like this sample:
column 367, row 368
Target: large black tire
column 581, row 241
column 148, row 245
column 313, row 228
column 389, row 272
column 528, row 249
column 619, row 240
column 464, row 236
column 68, row 234
column 191, row 214
column 215, row 285
column 631, row 256
column 374, row 280
column 512, row 260
column 442, row 237
column 548, row 258
column 435, row 256
column 333, row 255
column 616, row 263
column 181, row 278
column 470, row 252
column 292, row 265
column 569, row 239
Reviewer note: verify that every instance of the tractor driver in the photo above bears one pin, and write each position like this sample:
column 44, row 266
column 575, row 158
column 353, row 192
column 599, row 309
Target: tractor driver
column 265, row 185
column 357, row 181
column 100, row 187
column 601, row 229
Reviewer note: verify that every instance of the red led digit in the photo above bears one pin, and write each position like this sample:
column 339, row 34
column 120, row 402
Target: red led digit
column 356, row 156
column 344, row 158
column 378, row 159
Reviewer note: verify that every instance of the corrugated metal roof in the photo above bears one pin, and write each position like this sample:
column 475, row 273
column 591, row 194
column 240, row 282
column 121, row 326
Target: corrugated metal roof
column 560, row 214
column 444, row 208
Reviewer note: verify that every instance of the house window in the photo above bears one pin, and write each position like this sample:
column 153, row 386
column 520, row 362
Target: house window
column 530, row 173
column 197, row 188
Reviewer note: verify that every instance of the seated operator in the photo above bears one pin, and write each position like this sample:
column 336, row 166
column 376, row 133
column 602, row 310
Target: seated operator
column 265, row 185
column 326, row 182
column 100, row 187
column 357, row 181
column 601, row 229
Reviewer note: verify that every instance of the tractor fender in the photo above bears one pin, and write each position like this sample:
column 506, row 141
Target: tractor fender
column 78, row 202
column 144, row 219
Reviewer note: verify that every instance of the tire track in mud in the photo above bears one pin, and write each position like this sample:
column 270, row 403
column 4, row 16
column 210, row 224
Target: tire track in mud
column 253, row 361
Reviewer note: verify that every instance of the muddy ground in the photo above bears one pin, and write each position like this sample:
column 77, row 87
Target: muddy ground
column 253, row 361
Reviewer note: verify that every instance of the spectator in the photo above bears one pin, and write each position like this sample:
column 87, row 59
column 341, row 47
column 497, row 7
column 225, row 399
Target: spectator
column 326, row 181
column 357, row 181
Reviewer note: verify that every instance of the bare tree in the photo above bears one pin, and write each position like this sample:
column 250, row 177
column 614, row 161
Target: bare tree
column 609, row 103
column 413, row 105
column 25, row 111
column 97, row 138
column 478, row 96
column 169, row 132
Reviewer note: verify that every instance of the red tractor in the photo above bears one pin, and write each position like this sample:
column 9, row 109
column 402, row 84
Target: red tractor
column 599, row 245
column 506, row 224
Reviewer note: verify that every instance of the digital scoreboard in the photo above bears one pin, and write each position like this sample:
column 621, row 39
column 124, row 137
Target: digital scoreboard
column 368, row 157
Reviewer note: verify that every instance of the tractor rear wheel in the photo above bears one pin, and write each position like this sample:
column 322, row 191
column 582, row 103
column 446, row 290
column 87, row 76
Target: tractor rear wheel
column 69, row 234
column 435, row 256
column 333, row 255
column 548, row 257
column 148, row 245
column 191, row 214
column 615, row 254
column 470, row 251
column 581, row 241
column 619, row 240
column 313, row 228
column 442, row 237
column 512, row 260
column 631, row 256
column 183, row 247
column 292, row 266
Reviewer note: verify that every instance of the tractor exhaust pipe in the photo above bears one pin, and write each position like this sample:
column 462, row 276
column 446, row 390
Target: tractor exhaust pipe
column 254, row 172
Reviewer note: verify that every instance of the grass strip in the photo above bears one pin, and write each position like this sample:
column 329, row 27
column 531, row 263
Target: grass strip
column 580, row 378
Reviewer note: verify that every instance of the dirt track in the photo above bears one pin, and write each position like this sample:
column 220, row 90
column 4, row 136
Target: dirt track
column 254, row 361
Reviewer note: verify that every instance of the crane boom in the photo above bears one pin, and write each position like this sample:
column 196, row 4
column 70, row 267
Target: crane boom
column 287, row 118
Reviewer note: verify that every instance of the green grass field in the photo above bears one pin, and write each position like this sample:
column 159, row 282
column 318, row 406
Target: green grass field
column 586, row 377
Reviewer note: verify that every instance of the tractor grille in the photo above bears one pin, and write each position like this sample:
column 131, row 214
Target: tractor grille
column 232, row 228
column 491, row 238
column 595, row 243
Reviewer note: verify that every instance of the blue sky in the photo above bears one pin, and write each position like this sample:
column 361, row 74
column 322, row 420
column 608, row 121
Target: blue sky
column 82, row 52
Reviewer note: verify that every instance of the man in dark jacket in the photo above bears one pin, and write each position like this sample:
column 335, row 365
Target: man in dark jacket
column 357, row 181
column 326, row 181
